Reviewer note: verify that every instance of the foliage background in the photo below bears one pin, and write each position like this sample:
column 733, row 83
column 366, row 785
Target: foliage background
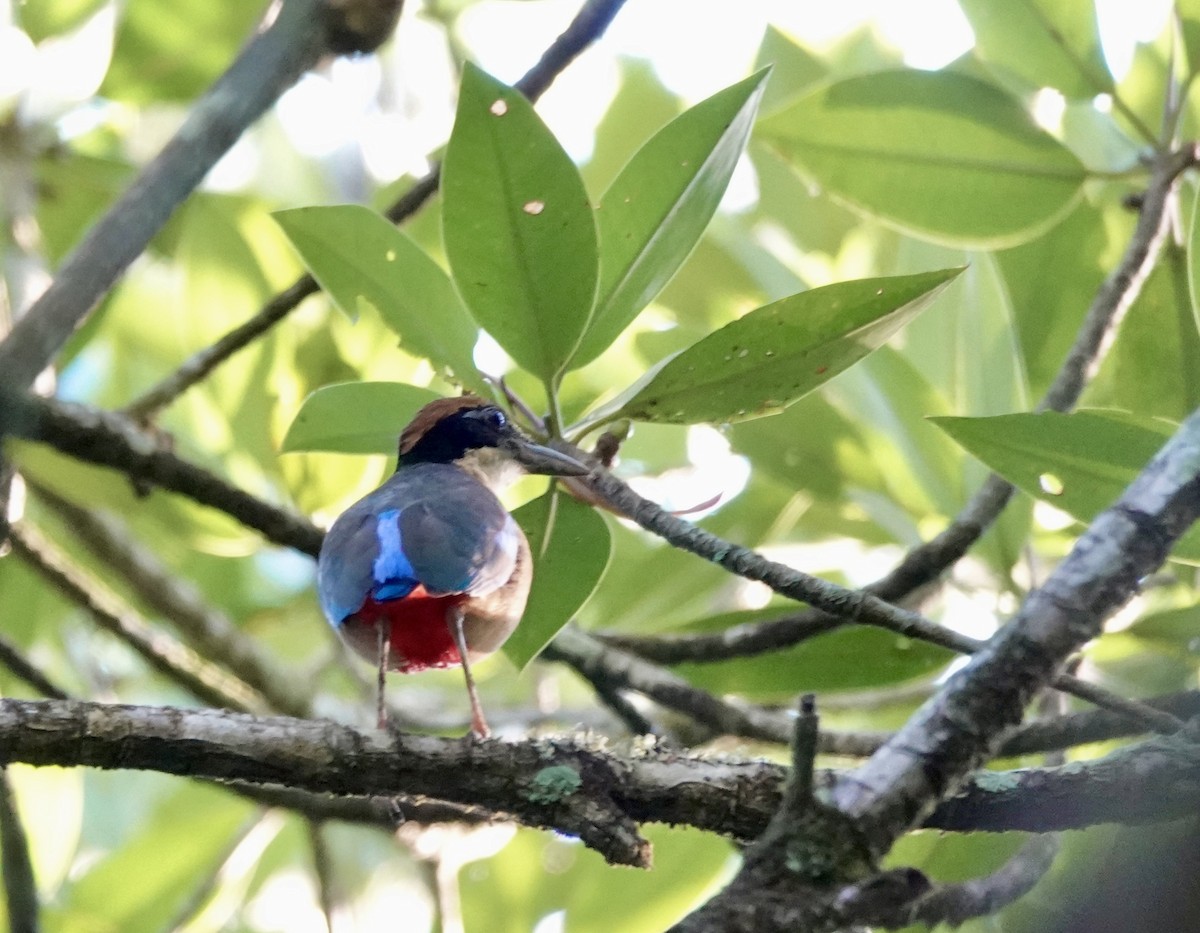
column 839, row 484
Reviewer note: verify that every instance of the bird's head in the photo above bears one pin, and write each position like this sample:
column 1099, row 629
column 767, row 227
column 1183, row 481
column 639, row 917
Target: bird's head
column 477, row 436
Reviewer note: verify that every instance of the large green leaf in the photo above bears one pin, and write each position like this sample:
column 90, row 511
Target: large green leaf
column 1049, row 43
column 653, row 214
column 939, row 155
column 355, row 417
column 571, row 546
column 853, row 658
column 520, row 234
column 358, row 256
column 1080, row 462
column 761, row 363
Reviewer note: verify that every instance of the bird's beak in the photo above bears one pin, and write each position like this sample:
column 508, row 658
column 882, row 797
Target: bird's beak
column 539, row 459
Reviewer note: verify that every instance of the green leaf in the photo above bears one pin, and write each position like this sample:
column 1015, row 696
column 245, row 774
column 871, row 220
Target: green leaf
column 1153, row 367
column 655, row 211
column 1048, row 43
column 538, row 874
column 853, row 658
column 939, row 155
column 355, row 417
column 1079, row 462
column 1045, row 279
column 571, row 546
column 45, row 18
column 793, row 67
column 159, row 54
column 1189, row 21
column 358, row 256
column 167, row 872
column 519, row 231
column 761, row 363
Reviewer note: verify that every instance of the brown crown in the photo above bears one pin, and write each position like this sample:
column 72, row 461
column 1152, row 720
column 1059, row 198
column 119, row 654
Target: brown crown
column 431, row 414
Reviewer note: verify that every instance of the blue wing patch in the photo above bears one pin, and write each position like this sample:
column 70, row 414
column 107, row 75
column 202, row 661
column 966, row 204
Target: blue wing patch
column 393, row 573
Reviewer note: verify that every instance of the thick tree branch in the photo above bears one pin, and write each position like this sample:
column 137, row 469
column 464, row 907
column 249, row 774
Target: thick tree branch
column 588, row 25
column 112, row 440
column 926, row 562
column 299, row 763
column 956, row 730
column 1149, row 782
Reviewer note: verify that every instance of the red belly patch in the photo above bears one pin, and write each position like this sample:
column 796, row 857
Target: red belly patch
column 420, row 637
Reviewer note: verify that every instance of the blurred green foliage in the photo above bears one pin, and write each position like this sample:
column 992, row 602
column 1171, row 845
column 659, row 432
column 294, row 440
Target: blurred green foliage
column 859, row 169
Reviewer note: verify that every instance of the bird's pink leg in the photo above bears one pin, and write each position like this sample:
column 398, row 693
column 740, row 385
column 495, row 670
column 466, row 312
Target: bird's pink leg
column 479, row 726
column 385, row 648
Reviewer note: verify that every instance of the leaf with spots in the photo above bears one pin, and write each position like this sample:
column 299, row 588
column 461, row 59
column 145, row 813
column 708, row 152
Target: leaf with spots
column 655, row 211
column 518, row 227
column 764, row 361
column 1079, row 462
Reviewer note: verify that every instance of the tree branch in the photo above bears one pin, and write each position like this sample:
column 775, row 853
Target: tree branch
column 20, row 887
column 957, row 903
column 205, row 629
column 12, row 658
column 855, row 606
column 162, row 653
column 957, row 729
column 378, row 778
column 274, row 59
column 111, row 440
column 926, row 562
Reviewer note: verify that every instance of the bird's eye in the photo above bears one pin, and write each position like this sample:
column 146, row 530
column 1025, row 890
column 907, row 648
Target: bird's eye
column 492, row 417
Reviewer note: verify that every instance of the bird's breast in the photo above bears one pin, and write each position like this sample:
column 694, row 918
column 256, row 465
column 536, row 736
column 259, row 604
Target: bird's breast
column 417, row 626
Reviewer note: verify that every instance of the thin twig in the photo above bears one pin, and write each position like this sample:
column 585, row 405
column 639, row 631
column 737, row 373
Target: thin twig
column 112, row 440
column 610, row 668
column 852, row 605
column 322, row 862
column 206, row 629
column 20, row 886
column 175, row 661
column 12, row 658
column 587, row 26
column 924, row 563
column 957, row 903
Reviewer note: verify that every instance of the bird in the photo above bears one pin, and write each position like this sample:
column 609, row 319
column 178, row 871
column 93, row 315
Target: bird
column 430, row 570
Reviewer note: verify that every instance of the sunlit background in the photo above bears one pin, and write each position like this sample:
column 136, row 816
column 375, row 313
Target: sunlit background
column 350, row 132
